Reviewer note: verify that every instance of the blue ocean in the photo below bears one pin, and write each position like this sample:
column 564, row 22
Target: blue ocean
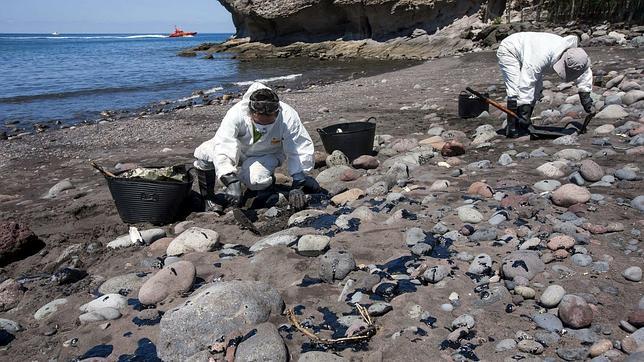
column 71, row 78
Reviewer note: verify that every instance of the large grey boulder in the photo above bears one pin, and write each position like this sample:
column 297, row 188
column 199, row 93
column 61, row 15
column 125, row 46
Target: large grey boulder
column 213, row 312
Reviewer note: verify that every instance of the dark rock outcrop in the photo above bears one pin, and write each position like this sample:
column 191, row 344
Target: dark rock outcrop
column 319, row 20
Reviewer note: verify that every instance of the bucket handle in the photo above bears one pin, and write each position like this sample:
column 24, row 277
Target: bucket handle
column 322, row 131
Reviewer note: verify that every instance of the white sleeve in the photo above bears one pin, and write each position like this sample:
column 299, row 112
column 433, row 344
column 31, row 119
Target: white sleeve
column 297, row 145
column 226, row 149
column 585, row 81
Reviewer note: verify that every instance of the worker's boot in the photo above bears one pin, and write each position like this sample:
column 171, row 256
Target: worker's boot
column 511, row 123
column 207, row 180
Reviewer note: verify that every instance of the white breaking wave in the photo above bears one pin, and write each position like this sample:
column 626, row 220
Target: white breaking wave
column 268, row 80
column 208, row 91
column 98, row 37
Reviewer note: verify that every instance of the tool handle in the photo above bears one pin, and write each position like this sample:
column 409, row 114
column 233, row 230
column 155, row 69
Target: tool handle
column 101, row 169
column 492, row 102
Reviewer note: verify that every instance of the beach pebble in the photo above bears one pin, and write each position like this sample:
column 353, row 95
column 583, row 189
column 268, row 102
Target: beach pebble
column 10, row 326
column 600, row 347
column 548, row 321
column 551, row 297
column 129, row 282
column 439, row 185
column 575, row 312
column 505, row 345
column 114, row 301
column 555, row 169
column 522, row 263
column 569, row 194
column 55, row 190
column 49, row 309
column 336, row 265
column 525, row 292
column 436, row 273
column 313, row 245
column 265, row 344
column 316, row 356
column 582, row 260
column 572, row 154
column 613, row 111
column 11, row 293
column 591, row 171
column 194, row 239
column 626, row 174
column 337, row 158
column 414, row 236
column 482, row 264
column 560, row 242
column 366, row 162
column 378, row 309
column 470, row 215
column 530, row 346
column 464, row 320
column 546, row 185
column 99, row 315
column 633, row 273
column 481, row 189
column 172, row 279
column 638, row 203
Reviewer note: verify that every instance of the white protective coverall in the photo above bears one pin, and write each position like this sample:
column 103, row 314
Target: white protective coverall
column 236, row 141
column 525, row 57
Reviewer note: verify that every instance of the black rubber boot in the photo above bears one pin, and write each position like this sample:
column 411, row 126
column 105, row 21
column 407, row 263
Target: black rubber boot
column 523, row 125
column 207, row 180
column 511, row 124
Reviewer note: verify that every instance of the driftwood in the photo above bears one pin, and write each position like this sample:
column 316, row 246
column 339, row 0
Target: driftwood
column 362, row 335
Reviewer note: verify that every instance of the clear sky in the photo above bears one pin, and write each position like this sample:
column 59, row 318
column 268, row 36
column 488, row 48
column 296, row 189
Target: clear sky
column 113, row 16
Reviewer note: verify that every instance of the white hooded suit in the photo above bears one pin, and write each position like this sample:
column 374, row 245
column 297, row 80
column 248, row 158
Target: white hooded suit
column 259, row 149
column 525, row 57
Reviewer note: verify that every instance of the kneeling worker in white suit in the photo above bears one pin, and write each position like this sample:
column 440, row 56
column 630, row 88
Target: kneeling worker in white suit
column 525, row 57
column 256, row 136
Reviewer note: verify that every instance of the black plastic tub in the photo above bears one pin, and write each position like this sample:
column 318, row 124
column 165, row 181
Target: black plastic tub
column 156, row 202
column 470, row 106
column 354, row 139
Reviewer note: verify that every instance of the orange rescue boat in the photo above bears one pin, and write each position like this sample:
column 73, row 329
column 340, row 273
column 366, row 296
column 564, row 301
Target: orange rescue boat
column 178, row 33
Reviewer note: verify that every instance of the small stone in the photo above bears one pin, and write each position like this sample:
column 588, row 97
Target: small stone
column 194, row 239
column 506, row 345
column 469, row 215
column 347, row 196
column 554, row 169
column 11, row 293
column 452, row 149
column 546, row 185
column 336, row 265
column 464, row 320
column 379, row 309
column 591, row 171
column 481, row 189
column 114, row 301
column 551, row 297
column 530, row 346
column 600, row 347
column 55, row 190
column 561, row 242
column 366, row 162
column 49, row 309
column 569, row 194
column 313, row 245
column 548, row 321
column 337, row 158
column 525, row 292
column 633, row 273
column 575, row 312
column 436, row 273
column 613, row 111
column 172, row 279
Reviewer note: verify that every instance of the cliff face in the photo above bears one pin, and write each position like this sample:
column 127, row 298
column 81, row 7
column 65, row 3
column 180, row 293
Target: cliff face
column 318, row 20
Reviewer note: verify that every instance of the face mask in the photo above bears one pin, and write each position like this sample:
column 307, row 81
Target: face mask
column 263, row 129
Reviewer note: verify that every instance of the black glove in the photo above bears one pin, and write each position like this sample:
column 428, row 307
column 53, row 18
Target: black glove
column 307, row 184
column 233, row 194
column 297, row 199
column 587, row 102
column 524, row 112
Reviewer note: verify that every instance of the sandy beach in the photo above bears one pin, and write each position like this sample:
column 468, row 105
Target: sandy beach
column 76, row 225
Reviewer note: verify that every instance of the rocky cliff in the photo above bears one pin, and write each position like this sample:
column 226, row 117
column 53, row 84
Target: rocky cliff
column 319, row 20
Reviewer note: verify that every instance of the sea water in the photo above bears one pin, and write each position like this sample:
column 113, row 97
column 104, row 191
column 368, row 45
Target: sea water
column 72, row 78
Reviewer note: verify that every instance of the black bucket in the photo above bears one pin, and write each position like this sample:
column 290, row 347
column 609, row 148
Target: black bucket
column 354, row 139
column 156, row 202
column 470, row 106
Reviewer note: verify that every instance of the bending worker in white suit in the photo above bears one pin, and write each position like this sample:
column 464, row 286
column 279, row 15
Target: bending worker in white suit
column 256, row 136
column 525, row 57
